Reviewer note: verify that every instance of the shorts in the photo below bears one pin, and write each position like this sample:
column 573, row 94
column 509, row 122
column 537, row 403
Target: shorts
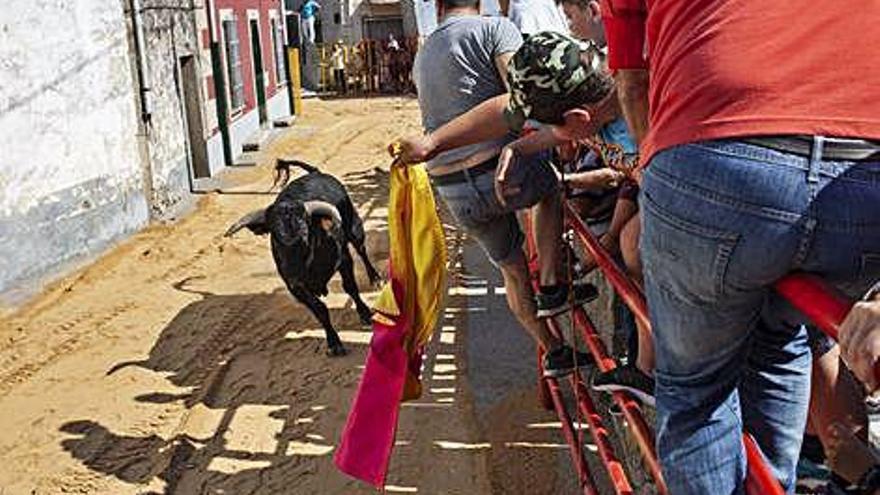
column 478, row 212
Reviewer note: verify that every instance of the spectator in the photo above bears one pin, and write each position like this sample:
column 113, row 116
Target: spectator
column 622, row 236
column 584, row 20
column 534, row 16
column 760, row 162
column 338, row 60
column 860, row 348
column 460, row 66
column 308, row 13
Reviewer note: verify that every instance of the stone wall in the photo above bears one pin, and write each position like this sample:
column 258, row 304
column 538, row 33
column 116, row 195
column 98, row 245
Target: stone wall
column 170, row 33
column 70, row 176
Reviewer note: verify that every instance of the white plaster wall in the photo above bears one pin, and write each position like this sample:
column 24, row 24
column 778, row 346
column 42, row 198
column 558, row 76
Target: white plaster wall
column 70, row 179
column 215, row 154
column 278, row 106
column 242, row 128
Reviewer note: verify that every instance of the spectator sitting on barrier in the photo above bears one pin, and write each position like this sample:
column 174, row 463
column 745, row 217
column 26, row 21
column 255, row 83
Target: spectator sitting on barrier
column 759, row 162
column 460, row 66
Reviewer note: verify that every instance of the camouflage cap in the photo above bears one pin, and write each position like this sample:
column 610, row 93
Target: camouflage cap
column 549, row 75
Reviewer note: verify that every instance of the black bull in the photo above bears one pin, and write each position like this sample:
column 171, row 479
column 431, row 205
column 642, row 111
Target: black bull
column 310, row 224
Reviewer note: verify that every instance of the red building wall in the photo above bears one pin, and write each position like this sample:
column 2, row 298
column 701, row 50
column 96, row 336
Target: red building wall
column 240, row 9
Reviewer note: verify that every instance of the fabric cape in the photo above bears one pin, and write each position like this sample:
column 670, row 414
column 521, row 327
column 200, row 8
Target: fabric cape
column 406, row 313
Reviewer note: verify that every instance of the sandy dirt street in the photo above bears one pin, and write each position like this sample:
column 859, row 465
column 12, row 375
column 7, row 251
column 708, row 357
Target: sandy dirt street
column 178, row 364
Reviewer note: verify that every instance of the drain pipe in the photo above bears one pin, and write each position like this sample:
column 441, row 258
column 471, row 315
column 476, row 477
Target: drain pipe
column 143, row 69
column 144, row 101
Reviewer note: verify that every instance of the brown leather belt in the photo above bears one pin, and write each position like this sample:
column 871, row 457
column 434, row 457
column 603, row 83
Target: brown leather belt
column 833, row 149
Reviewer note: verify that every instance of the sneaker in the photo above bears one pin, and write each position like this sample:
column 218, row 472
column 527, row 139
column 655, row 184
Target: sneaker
column 561, row 361
column 555, row 301
column 629, row 379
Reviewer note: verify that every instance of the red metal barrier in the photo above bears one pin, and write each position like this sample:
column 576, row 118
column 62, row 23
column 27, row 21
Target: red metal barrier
column 642, row 432
column 549, row 386
column 574, row 446
column 820, row 302
column 549, row 391
column 759, row 479
column 598, row 431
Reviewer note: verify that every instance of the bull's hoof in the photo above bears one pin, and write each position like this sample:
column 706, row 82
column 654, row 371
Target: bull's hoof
column 337, row 350
column 376, row 280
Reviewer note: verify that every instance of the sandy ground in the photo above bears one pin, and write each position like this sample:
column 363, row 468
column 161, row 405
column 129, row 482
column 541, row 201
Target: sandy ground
column 178, row 364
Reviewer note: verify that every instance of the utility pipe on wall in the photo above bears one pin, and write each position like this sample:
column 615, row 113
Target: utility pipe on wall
column 143, row 69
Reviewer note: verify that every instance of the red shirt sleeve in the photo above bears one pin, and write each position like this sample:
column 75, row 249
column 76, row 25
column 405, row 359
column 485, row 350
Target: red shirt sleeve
column 625, row 31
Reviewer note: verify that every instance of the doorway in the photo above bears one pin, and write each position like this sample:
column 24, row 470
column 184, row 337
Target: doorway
column 192, row 109
column 259, row 72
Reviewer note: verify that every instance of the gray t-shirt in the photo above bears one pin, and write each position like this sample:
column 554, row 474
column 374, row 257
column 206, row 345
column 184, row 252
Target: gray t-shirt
column 455, row 71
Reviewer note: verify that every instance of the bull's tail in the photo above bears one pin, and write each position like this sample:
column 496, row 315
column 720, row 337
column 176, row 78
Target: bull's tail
column 255, row 221
column 282, row 170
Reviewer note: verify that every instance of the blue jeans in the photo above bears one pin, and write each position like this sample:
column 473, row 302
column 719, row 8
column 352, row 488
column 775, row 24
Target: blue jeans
column 477, row 210
column 722, row 220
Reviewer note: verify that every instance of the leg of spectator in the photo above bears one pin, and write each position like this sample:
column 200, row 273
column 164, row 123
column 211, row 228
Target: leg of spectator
column 836, row 397
column 547, row 229
column 521, row 299
column 629, row 248
column 709, row 256
column 775, row 388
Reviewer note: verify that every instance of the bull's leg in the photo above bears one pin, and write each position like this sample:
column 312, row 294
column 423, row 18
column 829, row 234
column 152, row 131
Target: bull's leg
column 358, row 239
column 346, row 269
column 375, row 278
column 303, row 295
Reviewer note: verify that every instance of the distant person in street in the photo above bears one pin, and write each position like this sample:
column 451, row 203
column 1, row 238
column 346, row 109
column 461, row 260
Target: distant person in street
column 308, row 13
column 337, row 58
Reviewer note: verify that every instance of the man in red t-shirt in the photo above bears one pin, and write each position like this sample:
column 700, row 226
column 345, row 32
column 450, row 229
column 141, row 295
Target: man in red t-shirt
column 761, row 141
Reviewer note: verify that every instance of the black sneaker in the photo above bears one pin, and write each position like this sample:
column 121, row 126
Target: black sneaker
column 627, row 378
column 561, row 361
column 554, row 301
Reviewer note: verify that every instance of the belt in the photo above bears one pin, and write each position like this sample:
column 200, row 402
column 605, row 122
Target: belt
column 832, row 149
column 462, row 175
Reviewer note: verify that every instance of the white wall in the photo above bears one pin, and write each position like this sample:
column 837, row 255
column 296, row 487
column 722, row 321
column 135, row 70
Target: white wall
column 70, row 179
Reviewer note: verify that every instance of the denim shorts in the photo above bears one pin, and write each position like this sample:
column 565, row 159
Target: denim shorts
column 477, row 210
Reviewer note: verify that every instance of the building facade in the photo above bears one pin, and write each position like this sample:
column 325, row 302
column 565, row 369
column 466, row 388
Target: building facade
column 110, row 116
column 247, row 88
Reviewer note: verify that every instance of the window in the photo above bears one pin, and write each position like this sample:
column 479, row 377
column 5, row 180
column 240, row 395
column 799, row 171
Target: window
column 337, row 18
column 280, row 73
column 233, row 65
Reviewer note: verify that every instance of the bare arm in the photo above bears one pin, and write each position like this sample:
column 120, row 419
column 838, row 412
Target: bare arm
column 484, row 122
column 501, row 62
column 632, row 90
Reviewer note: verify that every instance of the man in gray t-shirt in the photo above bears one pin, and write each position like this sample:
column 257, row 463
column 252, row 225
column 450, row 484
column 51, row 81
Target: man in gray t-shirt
column 462, row 66
column 458, row 68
